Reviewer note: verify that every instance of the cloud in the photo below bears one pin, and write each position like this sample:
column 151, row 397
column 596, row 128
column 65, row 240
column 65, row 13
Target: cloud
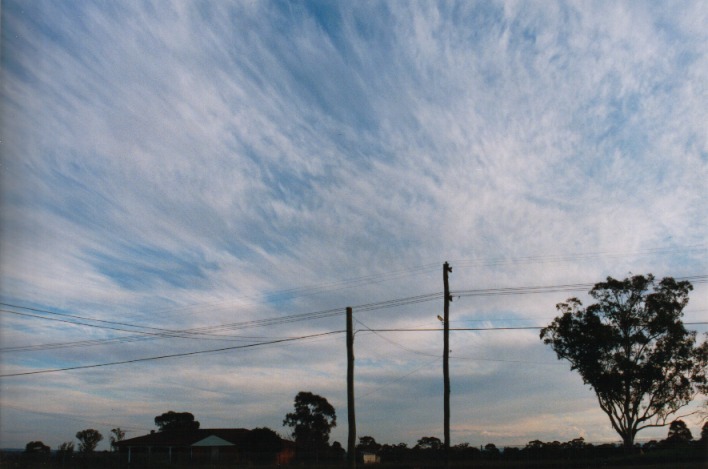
column 206, row 166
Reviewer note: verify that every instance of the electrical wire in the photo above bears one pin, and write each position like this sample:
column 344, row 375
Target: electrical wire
column 174, row 355
column 64, row 417
column 192, row 333
column 209, row 331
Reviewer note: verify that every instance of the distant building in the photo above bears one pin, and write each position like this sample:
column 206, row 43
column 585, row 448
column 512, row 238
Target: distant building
column 202, row 445
column 371, row 458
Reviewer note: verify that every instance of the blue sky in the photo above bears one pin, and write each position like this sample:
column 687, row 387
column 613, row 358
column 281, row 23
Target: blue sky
column 191, row 165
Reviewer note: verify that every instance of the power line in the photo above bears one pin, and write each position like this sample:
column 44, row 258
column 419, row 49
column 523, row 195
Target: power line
column 284, row 340
column 174, row 355
column 519, row 328
column 64, row 416
column 191, row 333
column 551, row 288
column 160, row 332
column 207, row 332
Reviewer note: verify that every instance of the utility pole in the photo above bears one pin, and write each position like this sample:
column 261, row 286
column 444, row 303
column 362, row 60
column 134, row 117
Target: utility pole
column 446, row 361
column 351, row 441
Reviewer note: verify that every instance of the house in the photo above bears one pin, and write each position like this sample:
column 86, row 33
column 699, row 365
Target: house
column 371, row 458
column 202, row 445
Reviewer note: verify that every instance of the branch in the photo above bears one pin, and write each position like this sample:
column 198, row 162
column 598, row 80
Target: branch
column 610, row 411
column 664, row 419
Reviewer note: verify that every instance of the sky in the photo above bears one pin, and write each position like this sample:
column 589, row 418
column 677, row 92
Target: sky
column 182, row 177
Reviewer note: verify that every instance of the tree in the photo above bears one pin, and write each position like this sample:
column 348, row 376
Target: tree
column 65, row 451
column 394, row 453
column 37, row 447
column 679, row 433
column 336, row 452
column 263, row 444
column 66, row 448
column 88, row 439
column 311, row 422
column 631, row 347
column 367, row 444
column 491, row 451
column 176, row 421
column 429, row 442
column 116, row 435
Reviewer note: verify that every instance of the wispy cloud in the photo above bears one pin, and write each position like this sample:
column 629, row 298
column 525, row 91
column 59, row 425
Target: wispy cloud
column 193, row 165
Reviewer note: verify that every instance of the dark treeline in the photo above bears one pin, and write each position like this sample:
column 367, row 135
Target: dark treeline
column 679, row 446
column 679, row 449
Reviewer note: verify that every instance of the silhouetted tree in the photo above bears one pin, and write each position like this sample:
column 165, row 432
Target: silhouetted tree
column 651, row 445
column 67, row 447
column 65, row 451
column 394, row 453
column 491, row 451
column 116, row 435
column 176, row 421
column 429, row 443
column 631, row 347
column 679, row 434
column 574, row 448
column 367, row 444
column 37, row 447
column 88, row 439
column 336, row 452
column 263, row 444
column 312, row 421
column 511, row 453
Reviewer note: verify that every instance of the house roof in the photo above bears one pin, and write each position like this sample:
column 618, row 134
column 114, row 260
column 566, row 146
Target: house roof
column 212, row 440
column 220, row 436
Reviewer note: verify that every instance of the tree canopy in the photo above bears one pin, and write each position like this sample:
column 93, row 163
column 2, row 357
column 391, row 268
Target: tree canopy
column 37, row 447
column 116, row 435
column 429, row 442
column 367, row 444
column 88, row 439
column 632, row 348
column 679, row 433
column 176, row 421
column 312, row 421
column 66, row 448
column 263, row 444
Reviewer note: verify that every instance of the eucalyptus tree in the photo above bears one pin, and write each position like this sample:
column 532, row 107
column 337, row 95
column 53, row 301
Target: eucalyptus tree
column 632, row 349
column 312, row 420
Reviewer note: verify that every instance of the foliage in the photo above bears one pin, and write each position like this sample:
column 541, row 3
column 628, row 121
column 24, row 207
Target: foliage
column 429, row 443
column 394, row 453
column 66, row 448
column 491, row 450
column 312, row 421
column 573, row 453
column 88, row 439
column 116, row 435
column 65, row 451
column 631, row 347
column 176, row 421
column 367, row 444
column 679, row 433
column 336, row 452
column 37, row 447
column 263, row 444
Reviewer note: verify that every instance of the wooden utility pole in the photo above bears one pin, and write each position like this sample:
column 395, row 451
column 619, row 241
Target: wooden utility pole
column 446, row 360
column 351, row 441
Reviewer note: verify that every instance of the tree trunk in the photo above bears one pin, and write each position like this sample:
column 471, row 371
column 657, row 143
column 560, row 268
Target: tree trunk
column 628, row 442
